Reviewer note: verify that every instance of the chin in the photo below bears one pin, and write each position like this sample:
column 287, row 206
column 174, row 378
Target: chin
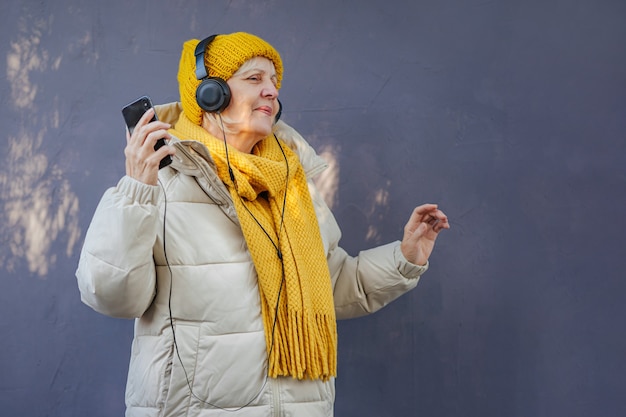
column 264, row 130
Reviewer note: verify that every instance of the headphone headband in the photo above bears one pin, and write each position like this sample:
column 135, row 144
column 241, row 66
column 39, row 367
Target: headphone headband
column 201, row 71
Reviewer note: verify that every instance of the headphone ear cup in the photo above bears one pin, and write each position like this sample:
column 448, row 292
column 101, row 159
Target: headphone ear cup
column 280, row 111
column 213, row 95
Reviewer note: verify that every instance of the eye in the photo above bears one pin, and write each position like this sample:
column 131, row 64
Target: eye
column 254, row 77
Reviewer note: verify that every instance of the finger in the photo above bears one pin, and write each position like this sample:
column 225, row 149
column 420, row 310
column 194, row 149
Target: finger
column 431, row 223
column 142, row 131
column 420, row 212
column 419, row 215
column 138, row 131
column 164, row 151
column 441, row 224
column 440, row 214
column 152, row 160
column 425, row 208
column 151, row 127
column 154, row 136
column 145, row 119
column 434, row 214
column 439, row 217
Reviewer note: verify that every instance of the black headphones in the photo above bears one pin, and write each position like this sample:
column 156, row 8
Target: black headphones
column 213, row 94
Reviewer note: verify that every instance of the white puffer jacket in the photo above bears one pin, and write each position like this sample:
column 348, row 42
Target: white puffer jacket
column 179, row 246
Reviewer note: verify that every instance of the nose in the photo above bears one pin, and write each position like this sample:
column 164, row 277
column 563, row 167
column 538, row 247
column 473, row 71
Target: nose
column 269, row 90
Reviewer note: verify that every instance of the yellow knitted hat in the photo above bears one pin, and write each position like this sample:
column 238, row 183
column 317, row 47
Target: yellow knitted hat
column 224, row 55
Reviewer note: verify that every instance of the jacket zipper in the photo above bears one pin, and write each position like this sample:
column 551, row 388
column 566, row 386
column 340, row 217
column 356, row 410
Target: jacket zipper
column 276, row 403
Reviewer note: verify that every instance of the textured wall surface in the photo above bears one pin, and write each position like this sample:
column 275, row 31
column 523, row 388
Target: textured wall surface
column 509, row 114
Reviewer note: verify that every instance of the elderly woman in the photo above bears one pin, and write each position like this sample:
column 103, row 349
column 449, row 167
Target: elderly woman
column 228, row 258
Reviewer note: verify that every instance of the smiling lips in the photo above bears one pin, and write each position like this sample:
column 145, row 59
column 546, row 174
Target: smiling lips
column 265, row 109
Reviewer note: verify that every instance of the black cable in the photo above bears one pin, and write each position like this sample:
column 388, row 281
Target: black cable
column 234, row 181
column 278, row 252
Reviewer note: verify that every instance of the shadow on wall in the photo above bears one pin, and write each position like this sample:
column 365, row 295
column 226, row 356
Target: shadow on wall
column 365, row 216
column 38, row 205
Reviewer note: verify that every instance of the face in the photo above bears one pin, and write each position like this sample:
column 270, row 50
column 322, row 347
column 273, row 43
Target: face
column 253, row 104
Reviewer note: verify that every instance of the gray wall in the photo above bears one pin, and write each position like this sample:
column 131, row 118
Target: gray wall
column 510, row 114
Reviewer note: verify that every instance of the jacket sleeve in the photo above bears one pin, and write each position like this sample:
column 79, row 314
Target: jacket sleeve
column 116, row 272
column 368, row 282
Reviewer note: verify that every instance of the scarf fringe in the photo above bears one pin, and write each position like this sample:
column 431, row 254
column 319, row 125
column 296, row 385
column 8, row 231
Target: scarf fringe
column 316, row 357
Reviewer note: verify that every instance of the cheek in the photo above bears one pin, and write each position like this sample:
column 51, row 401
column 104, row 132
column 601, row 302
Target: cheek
column 235, row 110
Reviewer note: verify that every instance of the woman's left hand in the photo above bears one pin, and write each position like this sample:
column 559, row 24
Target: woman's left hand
column 421, row 231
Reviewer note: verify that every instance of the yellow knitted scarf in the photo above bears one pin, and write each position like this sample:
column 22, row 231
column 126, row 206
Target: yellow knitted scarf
column 299, row 320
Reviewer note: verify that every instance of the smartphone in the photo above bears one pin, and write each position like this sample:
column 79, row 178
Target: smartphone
column 132, row 112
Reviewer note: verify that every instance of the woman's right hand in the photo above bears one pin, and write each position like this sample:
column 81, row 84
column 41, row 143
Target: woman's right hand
column 142, row 161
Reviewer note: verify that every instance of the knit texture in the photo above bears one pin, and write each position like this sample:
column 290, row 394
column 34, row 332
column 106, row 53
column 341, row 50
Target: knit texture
column 223, row 57
column 303, row 343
